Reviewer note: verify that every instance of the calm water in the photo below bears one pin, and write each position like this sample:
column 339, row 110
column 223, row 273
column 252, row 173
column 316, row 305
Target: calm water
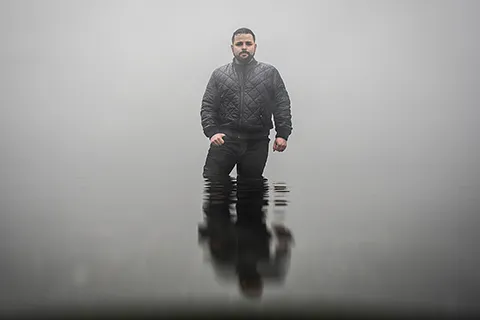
column 355, row 244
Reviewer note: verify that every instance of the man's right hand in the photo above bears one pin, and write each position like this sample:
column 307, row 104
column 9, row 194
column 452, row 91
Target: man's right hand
column 217, row 139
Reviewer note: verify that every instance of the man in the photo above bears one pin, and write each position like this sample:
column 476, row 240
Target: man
column 236, row 112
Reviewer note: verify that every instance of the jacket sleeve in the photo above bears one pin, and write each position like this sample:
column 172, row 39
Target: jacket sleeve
column 209, row 108
column 281, row 107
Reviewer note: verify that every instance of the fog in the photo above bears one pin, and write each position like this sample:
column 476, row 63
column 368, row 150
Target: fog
column 102, row 150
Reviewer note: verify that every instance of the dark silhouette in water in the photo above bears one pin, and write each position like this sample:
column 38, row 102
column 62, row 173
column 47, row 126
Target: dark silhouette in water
column 238, row 237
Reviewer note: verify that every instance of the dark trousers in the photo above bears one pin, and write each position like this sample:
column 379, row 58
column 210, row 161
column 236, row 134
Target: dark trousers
column 250, row 157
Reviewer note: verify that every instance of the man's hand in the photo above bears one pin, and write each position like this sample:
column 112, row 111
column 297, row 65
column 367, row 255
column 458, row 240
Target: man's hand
column 217, row 139
column 279, row 145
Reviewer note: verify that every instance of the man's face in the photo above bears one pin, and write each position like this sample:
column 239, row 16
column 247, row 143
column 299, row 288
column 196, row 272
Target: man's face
column 244, row 47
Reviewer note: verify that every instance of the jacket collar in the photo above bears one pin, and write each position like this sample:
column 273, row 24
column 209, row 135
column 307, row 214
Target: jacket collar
column 250, row 63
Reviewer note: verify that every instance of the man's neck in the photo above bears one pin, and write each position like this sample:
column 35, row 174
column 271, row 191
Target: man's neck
column 238, row 62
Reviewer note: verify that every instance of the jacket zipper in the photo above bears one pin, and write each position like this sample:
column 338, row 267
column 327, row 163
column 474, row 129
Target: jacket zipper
column 242, row 89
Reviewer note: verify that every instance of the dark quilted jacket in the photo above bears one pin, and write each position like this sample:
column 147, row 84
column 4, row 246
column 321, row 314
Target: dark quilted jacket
column 241, row 99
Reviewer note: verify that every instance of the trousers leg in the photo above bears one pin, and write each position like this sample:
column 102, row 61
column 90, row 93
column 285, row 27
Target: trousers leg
column 221, row 160
column 252, row 162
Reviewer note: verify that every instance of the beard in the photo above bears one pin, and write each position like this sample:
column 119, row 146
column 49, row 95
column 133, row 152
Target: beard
column 245, row 58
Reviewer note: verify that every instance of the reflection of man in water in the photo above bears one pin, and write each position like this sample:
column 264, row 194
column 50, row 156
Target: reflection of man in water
column 242, row 243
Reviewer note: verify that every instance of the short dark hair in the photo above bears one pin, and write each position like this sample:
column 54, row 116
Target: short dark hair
column 243, row 31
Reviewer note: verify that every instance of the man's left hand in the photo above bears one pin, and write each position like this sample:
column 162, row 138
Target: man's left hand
column 280, row 144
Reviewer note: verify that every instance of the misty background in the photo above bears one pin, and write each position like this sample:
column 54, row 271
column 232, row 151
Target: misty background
column 101, row 149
